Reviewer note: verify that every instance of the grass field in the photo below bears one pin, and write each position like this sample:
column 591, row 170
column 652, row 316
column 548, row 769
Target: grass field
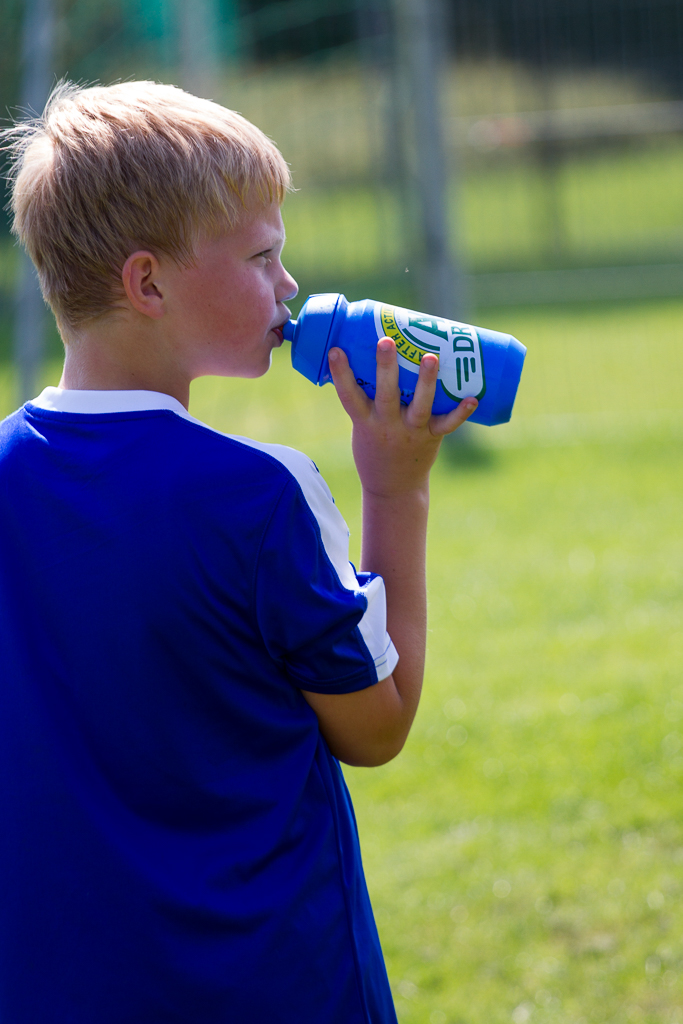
column 614, row 200
column 613, row 206
column 525, row 852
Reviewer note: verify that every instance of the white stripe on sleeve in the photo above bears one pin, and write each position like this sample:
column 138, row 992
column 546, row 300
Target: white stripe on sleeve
column 335, row 537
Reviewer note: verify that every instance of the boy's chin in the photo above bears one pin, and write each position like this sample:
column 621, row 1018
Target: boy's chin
column 252, row 372
column 266, row 366
column 263, row 369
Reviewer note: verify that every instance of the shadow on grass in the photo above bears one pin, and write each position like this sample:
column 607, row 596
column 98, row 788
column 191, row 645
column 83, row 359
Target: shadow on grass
column 464, row 450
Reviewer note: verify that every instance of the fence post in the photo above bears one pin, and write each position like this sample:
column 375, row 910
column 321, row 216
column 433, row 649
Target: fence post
column 30, row 313
column 199, row 46
column 419, row 28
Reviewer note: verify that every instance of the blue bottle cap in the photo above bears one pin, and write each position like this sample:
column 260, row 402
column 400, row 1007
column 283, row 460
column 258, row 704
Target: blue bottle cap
column 310, row 334
column 289, row 330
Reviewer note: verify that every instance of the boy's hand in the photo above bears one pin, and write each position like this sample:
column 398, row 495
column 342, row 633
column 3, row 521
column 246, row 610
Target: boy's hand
column 394, row 445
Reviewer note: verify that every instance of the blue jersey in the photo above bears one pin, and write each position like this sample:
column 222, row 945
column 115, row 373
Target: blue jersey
column 177, row 844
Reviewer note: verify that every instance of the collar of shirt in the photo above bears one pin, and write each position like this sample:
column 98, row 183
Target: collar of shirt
column 88, row 402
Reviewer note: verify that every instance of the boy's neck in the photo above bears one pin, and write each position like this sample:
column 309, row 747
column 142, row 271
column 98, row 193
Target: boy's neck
column 116, row 358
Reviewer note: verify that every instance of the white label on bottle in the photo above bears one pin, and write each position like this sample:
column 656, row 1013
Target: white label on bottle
column 461, row 365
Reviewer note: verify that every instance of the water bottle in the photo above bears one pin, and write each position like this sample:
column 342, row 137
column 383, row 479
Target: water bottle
column 473, row 361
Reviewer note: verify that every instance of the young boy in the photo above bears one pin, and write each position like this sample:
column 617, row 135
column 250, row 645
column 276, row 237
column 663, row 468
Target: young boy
column 186, row 651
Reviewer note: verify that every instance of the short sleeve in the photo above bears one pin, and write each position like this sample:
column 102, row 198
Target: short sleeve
column 324, row 622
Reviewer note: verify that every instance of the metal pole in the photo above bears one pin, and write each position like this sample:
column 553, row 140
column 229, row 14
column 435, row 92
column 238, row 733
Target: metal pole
column 549, row 155
column 199, row 46
column 30, row 314
column 419, row 28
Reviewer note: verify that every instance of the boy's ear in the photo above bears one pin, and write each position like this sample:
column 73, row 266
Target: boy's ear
column 140, row 277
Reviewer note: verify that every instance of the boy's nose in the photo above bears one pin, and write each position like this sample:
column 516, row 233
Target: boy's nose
column 290, row 287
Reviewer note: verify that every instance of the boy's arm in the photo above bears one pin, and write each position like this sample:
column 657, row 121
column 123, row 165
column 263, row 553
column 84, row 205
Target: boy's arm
column 394, row 448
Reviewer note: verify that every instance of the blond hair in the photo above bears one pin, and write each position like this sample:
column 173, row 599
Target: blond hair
column 110, row 169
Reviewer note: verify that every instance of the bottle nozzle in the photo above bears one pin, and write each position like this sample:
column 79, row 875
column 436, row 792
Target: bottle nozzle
column 288, row 330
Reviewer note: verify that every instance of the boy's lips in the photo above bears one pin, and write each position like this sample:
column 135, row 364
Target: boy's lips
column 278, row 331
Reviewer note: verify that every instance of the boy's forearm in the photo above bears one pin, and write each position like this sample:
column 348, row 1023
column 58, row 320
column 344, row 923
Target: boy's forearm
column 394, row 545
column 394, row 447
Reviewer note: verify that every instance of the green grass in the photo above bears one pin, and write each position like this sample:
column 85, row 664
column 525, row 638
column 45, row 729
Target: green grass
column 625, row 359
column 616, row 201
column 525, row 851
column 613, row 207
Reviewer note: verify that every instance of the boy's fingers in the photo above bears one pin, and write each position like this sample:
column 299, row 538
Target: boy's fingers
column 387, row 399
column 419, row 411
column 450, row 421
column 352, row 397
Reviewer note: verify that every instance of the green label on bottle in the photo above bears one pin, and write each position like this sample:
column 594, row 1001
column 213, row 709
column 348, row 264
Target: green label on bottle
column 461, row 365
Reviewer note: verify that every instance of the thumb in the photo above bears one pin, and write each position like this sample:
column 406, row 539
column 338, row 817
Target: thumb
column 354, row 400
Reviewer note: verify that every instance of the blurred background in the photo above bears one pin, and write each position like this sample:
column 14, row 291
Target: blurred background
column 517, row 164
column 459, row 156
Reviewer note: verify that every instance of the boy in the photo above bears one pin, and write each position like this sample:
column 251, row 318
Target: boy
column 186, row 650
